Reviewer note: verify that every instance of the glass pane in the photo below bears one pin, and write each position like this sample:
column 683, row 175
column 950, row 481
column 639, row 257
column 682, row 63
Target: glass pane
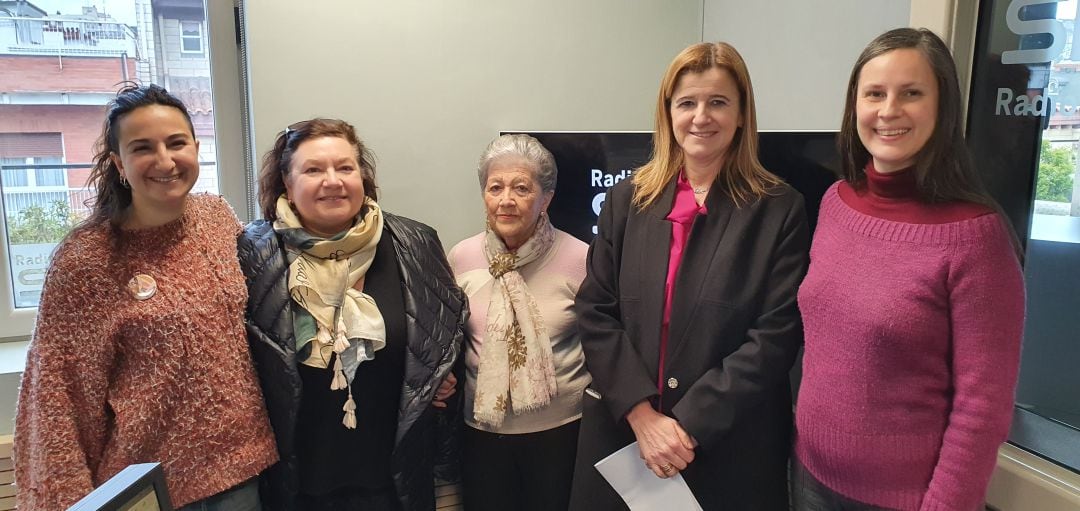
column 14, row 177
column 1049, row 383
column 1057, row 201
column 192, row 44
column 66, row 57
column 1023, row 129
column 51, row 173
column 190, row 29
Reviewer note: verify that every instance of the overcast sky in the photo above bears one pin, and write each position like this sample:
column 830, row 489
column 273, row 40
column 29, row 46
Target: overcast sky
column 1066, row 10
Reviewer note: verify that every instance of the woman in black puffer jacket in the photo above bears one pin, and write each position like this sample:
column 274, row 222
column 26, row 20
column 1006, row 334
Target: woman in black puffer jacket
column 354, row 322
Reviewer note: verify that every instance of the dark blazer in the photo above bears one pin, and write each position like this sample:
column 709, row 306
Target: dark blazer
column 734, row 334
column 435, row 314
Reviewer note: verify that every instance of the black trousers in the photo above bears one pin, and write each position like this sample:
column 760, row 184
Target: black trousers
column 351, row 499
column 528, row 472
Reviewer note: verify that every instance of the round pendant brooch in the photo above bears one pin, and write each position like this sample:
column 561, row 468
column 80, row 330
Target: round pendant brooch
column 142, row 286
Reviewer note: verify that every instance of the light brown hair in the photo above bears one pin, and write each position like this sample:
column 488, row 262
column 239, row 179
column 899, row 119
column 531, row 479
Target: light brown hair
column 743, row 176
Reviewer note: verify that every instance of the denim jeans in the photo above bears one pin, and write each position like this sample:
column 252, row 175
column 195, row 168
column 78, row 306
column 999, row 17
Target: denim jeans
column 244, row 497
column 808, row 494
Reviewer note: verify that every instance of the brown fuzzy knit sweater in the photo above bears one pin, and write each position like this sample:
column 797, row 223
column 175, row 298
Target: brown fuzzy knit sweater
column 111, row 380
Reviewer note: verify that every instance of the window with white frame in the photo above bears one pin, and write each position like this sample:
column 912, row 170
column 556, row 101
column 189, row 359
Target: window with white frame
column 191, row 37
column 32, row 182
column 31, row 170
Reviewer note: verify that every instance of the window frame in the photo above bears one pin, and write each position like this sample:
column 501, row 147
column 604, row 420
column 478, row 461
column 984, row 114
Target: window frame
column 32, row 178
column 184, row 38
column 1013, row 182
column 225, row 77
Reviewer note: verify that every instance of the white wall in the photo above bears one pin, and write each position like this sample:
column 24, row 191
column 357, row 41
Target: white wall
column 800, row 52
column 429, row 84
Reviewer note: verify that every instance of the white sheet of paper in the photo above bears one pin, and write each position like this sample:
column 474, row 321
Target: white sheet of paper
column 640, row 488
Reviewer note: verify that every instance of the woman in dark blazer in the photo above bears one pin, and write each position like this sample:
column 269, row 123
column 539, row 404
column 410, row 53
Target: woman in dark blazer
column 688, row 315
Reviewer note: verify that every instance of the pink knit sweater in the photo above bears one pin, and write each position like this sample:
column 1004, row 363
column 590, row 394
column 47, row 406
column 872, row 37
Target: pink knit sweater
column 912, row 350
column 111, row 380
column 553, row 281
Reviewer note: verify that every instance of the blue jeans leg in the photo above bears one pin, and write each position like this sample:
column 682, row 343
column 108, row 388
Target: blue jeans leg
column 809, row 494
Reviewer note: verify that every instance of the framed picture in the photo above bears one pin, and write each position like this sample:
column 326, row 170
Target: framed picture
column 138, row 487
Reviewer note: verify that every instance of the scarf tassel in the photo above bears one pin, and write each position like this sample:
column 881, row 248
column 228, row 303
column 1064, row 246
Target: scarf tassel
column 341, row 342
column 323, row 335
column 350, row 412
column 339, row 382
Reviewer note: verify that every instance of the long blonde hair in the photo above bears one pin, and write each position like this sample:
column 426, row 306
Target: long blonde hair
column 744, row 178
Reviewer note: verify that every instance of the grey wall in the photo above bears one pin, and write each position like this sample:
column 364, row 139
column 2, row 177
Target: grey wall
column 429, row 84
column 800, row 52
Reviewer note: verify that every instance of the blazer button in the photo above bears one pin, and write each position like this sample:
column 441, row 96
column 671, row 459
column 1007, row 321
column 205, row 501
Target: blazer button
column 672, row 383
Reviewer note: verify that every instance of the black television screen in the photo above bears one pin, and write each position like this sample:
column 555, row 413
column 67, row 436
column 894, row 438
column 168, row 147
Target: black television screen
column 590, row 162
column 807, row 160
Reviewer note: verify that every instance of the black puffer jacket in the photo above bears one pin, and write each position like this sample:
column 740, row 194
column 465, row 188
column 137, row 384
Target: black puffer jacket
column 435, row 313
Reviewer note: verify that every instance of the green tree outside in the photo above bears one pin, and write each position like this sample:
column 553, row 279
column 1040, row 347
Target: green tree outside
column 37, row 224
column 1055, row 182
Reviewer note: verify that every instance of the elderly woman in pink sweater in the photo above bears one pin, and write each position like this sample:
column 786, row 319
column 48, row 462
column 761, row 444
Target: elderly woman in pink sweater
column 525, row 370
column 913, row 305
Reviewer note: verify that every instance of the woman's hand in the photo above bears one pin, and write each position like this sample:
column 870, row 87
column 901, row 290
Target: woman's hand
column 665, row 445
column 446, row 389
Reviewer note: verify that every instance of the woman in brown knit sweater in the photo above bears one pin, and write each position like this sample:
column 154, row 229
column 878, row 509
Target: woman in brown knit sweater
column 139, row 353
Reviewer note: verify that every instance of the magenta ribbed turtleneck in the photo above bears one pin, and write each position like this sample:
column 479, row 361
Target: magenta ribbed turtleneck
column 893, row 196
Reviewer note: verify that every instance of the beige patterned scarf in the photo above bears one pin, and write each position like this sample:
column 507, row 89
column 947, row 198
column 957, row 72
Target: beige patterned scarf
column 517, row 371
column 322, row 273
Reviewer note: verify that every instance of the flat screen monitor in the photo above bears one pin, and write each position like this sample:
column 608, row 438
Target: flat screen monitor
column 139, row 487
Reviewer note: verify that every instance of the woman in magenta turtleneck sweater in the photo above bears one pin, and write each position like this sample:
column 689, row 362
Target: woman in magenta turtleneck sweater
column 913, row 305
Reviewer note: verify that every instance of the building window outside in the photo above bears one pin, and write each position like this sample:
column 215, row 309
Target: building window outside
column 17, row 173
column 49, row 176
column 191, row 37
column 13, row 178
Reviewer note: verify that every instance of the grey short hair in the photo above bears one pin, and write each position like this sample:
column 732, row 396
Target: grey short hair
column 522, row 147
